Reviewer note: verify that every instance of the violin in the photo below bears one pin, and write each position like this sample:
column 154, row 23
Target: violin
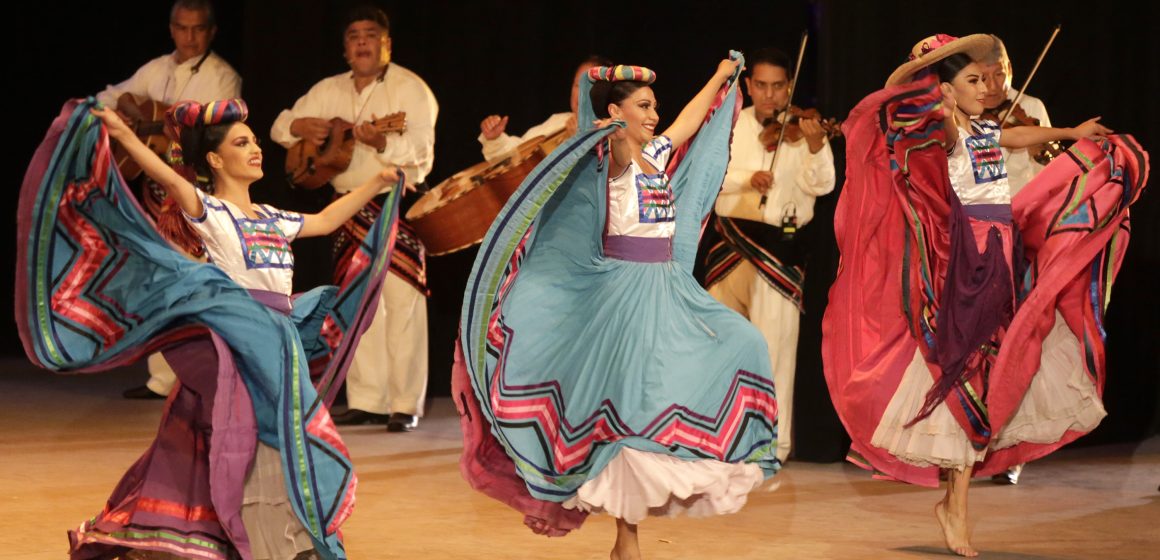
column 1041, row 153
column 793, row 132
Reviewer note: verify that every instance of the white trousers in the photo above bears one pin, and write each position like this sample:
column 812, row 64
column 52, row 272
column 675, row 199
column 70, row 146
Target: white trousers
column 389, row 370
column 745, row 292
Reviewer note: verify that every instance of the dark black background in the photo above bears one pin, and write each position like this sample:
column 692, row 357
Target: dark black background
column 517, row 58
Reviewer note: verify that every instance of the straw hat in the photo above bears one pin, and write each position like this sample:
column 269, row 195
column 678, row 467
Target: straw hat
column 937, row 47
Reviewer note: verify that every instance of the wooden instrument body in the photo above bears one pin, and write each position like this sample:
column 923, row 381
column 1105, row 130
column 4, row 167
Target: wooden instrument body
column 147, row 120
column 457, row 213
column 310, row 166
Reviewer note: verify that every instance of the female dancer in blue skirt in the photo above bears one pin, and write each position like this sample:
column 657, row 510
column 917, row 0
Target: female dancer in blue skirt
column 596, row 375
column 247, row 462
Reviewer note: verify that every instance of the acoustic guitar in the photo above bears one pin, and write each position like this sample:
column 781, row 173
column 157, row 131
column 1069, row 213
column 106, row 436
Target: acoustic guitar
column 147, row 120
column 310, row 166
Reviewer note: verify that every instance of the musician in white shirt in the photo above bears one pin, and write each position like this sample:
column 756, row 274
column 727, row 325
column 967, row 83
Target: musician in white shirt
column 1021, row 165
column 191, row 72
column 754, row 270
column 497, row 144
column 387, row 380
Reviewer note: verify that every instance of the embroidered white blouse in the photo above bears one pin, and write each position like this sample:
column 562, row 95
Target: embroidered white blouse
column 640, row 202
column 255, row 253
column 977, row 171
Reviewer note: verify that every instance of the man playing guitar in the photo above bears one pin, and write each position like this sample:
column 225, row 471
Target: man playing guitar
column 191, row 72
column 389, row 371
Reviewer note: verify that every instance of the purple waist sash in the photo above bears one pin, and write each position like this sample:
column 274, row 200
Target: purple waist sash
column 989, row 212
column 639, row 249
column 976, row 300
column 274, row 300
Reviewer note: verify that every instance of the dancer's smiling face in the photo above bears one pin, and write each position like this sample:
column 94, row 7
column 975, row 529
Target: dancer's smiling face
column 639, row 113
column 238, row 156
column 962, row 84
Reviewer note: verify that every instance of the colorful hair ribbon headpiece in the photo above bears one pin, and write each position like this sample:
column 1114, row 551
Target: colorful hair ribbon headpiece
column 621, row 72
column 191, row 113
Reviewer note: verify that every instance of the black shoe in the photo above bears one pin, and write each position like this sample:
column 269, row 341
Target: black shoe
column 356, row 417
column 142, row 392
column 402, row 422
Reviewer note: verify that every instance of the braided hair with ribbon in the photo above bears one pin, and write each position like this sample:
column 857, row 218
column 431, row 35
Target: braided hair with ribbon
column 198, row 129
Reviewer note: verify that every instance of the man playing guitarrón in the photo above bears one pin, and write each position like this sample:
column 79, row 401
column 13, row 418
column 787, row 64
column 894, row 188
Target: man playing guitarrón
column 492, row 130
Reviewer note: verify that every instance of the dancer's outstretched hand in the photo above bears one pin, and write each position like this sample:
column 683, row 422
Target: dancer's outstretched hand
column 116, row 126
column 1091, row 128
column 726, row 68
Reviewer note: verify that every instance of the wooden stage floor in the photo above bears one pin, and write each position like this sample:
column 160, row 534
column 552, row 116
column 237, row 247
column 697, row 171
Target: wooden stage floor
column 66, row 440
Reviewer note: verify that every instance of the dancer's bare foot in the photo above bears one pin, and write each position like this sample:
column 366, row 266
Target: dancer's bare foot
column 954, row 531
column 627, row 546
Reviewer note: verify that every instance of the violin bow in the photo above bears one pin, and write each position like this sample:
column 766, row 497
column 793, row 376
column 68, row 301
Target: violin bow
column 1030, row 75
column 789, row 103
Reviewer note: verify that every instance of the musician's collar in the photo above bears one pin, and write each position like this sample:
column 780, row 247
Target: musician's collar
column 200, row 61
column 194, row 62
column 762, row 121
column 380, row 78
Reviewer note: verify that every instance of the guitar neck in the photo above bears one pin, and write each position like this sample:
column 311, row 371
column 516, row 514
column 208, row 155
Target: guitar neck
column 151, row 128
column 392, row 123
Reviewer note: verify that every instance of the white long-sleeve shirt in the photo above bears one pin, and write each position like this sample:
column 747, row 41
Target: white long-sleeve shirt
column 1020, row 167
column 163, row 79
column 504, row 144
column 800, row 176
column 399, row 90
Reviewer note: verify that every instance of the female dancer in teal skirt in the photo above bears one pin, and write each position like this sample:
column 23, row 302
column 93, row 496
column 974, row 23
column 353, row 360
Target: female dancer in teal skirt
column 596, row 375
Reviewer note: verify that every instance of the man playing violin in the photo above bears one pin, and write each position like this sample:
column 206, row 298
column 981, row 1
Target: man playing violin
column 1021, row 163
column 757, row 269
column 387, row 380
column 191, row 72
